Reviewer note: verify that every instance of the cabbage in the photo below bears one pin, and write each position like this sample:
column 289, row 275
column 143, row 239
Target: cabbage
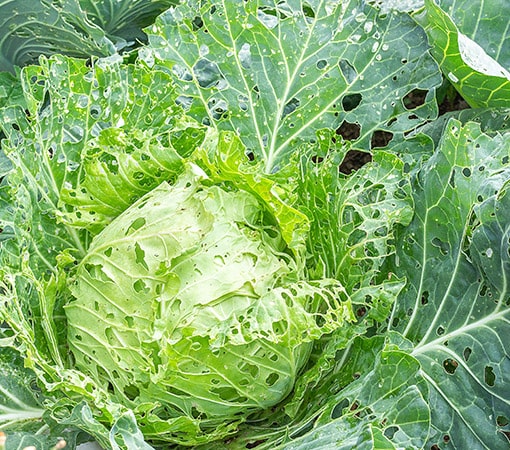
column 192, row 298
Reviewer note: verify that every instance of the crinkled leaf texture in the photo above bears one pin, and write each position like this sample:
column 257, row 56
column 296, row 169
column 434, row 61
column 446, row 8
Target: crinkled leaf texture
column 78, row 150
column 277, row 72
column 190, row 297
column 455, row 307
column 470, row 42
column 446, row 340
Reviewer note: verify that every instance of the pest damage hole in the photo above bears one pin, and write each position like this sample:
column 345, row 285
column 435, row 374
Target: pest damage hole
column 207, row 73
column 354, row 159
column 349, row 131
column 414, row 99
column 502, row 421
column 380, row 138
column 489, row 376
column 339, row 408
column 450, row 365
column 351, row 101
column 348, row 71
column 290, row 106
column 131, row 392
column 390, row 432
column 321, row 64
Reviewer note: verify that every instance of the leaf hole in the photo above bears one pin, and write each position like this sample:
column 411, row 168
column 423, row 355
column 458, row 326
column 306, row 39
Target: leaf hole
column 466, row 171
column 489, row 376
column 349, row 72
column 349, row 131
column 351, row 101
column 450, row 365
column 140, row 287
column 290, row 106
column 140, row 256
column 272, row 379
column 502, row 421
column 380, row 138
column 339, row 409
column 206, row 73
column 321, row 64
column 467, row 353
column 414, row 99
column 248, row 368
column 444, row 247
column 228, row 394
column 425, row 297
column 354, row 159
column 390, row 431
column 131, row 392
column 136, row 225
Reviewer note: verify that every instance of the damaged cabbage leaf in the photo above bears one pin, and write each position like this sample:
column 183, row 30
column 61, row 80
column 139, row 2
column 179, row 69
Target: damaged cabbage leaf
column 470, row 43
column 455, row 307
column 277, row 72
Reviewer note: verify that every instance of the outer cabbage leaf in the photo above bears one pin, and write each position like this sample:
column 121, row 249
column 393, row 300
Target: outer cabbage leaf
column 23, row 418
column 43, row 27
column 78, row 150
column 470, row 42
column 453, row 315
column 276, row 72
column 455, row 306
column 79, row 28
column 123, row 20
column 491, row 120
column 20, row 407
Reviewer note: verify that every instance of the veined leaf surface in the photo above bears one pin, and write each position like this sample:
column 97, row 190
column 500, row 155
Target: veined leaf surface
column 277, row 72
column 470, row 43
column 455, row 308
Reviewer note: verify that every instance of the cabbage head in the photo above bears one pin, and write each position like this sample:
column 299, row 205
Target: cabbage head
column 191, row 303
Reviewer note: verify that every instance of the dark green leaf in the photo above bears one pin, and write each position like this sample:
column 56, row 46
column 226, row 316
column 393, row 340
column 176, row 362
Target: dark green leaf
column 276, row 72
column 455, row 307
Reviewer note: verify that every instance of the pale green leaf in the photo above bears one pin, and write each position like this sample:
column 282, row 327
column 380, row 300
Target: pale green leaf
column 385, row 404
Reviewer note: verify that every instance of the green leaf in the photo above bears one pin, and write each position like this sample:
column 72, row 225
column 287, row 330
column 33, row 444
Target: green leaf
column 455, row 307
column 79, row 28
column 277, row 72
column 491, row 120
column 44, row 27
column 20, row 405
column 23, row 418
column 354, row 216
column 470, row 42
column 224, row 158
column 123, row 19
column 384, row 405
